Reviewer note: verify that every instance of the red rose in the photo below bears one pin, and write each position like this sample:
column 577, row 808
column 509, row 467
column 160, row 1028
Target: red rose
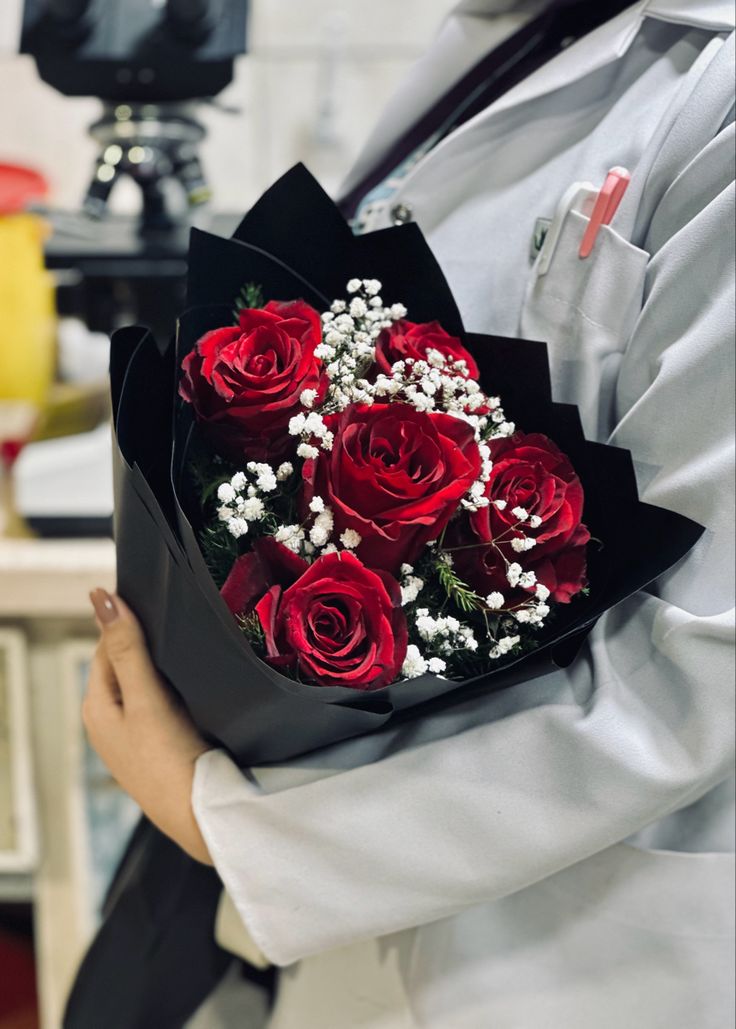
column 244, row 381
column 339, row 624
column 529, row 472
column 407, row 339
column 268, row 564
column 395, row 475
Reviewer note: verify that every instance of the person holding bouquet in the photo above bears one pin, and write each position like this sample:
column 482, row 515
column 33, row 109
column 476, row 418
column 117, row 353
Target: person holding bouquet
column 556, row 854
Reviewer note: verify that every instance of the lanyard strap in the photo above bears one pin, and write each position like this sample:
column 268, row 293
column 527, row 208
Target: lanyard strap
column 499, row 71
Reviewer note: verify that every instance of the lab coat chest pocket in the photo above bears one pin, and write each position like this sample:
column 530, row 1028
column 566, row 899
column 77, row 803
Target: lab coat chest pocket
column 586, row 311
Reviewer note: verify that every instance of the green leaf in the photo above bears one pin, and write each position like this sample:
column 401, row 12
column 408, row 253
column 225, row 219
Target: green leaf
column 250, row 296
column 458, row 591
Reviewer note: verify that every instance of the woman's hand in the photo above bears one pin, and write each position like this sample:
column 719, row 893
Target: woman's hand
column 139, row 729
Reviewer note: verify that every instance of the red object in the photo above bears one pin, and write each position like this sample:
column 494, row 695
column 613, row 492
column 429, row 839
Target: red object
column 340, row 624
column 9, row 451
column 18, row 1008
column 608, row 202
column 395, row 475
column 19, row 186
column 245, row 381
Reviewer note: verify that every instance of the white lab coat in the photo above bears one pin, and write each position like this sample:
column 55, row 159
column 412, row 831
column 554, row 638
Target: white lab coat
column 555, row 856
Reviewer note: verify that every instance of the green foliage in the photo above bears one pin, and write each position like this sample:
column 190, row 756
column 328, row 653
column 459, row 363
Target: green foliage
column 250, row 296
column 220, row 551
column 251, row 626
column 464, row 598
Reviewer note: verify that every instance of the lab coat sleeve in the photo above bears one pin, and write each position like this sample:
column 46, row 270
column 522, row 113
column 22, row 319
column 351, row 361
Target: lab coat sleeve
column 643, row 722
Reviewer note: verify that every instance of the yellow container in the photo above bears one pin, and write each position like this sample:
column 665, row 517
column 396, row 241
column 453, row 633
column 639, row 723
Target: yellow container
column 27, row 313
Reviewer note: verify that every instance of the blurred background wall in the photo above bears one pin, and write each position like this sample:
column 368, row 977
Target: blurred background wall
column 318, row 74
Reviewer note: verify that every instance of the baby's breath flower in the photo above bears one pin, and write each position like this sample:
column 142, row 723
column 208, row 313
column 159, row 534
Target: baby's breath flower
column 508, row 643
column 291, row 536
column 514, row 573
column 414, row 664
column 237, row 527
column 308, row 397
column 296, row 424
column 226, row 493
column 410, row 589
column 253, row 510
column 351, row 539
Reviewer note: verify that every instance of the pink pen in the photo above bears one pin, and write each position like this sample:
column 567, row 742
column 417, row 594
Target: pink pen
column 608, row 202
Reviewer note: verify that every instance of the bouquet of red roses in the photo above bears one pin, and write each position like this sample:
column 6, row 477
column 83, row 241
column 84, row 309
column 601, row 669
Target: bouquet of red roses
column 329, row 515
column 329, row 518
column 375, row 514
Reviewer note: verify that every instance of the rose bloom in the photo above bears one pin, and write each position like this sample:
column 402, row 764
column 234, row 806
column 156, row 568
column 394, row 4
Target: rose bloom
column 244, row 381
column 529, row 472
column 334, row 623
column 407, row 339
column 268, row 564
column 395, row 475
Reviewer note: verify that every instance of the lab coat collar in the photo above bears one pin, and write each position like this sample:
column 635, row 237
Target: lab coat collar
column 719, row 15
column 464, row 38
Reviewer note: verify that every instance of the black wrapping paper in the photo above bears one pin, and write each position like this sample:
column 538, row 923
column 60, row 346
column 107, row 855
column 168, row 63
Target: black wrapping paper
column 236, row 699
column 295, row 244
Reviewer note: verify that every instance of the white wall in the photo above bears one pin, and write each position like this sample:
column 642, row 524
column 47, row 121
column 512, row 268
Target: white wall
column 342, row 56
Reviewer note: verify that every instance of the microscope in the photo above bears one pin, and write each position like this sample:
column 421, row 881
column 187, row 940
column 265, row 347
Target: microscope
column 152, row 63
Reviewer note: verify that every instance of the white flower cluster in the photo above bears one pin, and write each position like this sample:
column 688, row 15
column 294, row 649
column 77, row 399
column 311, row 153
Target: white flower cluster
column 415, row 664
column 411, row 585
column 444, row 633
column 449, row 635
column 319, row 536
column 348, row 349
column 437, row 384
column 312, row 428
column 244, row 498
column 530, row 612
column 476, row 498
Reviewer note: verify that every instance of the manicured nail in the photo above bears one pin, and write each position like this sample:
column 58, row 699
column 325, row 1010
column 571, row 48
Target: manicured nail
column 104, row 606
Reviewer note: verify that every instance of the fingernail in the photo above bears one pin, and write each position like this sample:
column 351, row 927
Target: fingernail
column 104, row 606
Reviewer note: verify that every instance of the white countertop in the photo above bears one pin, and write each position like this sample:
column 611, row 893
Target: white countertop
column 52, row 578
